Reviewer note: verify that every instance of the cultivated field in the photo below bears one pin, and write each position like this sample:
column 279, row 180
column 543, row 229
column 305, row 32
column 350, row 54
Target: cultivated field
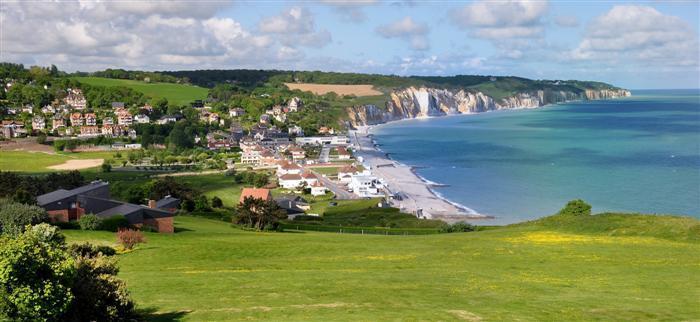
column 175, row 93
column 320, row 89
column 210, row 271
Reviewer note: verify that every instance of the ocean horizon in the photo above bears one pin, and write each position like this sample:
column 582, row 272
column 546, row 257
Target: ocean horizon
column 635, row 154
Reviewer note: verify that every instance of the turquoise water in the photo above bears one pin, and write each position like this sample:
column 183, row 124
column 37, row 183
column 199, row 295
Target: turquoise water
column 636, row 154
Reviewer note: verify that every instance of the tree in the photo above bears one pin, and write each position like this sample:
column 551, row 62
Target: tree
column 216, row 202
column 41, row 138
column 259, row 214
column 128, row 238
column 89, row 222
column 201, row 203
column 37, row 274
column 14, row 217
column 576, row 207
column 106, row 167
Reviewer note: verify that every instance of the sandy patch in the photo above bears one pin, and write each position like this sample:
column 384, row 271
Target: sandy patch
column 465, row 315
column 77, row 164
column 320, row 89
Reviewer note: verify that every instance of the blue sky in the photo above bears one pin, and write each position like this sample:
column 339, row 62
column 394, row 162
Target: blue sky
column 630, row 44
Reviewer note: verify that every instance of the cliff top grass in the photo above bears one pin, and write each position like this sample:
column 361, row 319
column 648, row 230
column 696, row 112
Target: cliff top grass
column 210, row 271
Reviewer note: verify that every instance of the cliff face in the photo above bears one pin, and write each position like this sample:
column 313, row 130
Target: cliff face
column 415, row 102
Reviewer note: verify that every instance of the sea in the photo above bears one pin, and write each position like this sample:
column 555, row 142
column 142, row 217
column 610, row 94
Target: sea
column 635, row 154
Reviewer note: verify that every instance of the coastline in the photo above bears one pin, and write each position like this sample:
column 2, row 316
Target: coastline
column 418, row 196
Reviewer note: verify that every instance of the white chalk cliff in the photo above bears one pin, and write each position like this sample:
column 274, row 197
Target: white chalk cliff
column 413, row 102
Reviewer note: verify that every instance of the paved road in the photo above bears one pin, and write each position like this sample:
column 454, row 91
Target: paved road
column 339, row 192
column 323, row 157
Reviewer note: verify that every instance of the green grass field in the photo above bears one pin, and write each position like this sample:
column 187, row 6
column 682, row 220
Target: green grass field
column 35, row 162
column 175, row 93
column 210, row 271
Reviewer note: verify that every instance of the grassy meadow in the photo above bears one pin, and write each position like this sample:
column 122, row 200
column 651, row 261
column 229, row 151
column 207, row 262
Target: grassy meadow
column 175, row 93
column 35, row 162
column 210, row 271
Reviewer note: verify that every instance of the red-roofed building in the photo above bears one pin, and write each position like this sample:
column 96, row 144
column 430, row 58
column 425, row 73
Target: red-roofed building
column 257, row 193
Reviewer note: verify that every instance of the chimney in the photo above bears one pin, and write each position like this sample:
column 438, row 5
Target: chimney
column 151, row 203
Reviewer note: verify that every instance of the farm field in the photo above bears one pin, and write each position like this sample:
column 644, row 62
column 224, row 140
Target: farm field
column 321, row 89
column 210, row 271
column 175, row 93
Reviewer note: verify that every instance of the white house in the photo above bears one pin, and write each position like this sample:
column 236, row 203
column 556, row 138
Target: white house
column 288, row 168
column 38, row 123
column 294, row 104
column 365, row 185
column 318, row 189
column 236, row 112
column 343, row 153
column 167, row 119
column 290, row 180
column 345, row 173
column 296, row 130
column 309, row 178
column 142, row 119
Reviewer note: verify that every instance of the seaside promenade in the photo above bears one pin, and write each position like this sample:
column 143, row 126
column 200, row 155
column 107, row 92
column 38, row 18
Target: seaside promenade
column 416, row 196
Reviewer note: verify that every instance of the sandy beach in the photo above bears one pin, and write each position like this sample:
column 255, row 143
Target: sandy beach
column 417, row 197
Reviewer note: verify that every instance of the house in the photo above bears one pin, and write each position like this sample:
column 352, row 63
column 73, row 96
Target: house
column 13, row 129
column 108, row 130
column 118, row 105
column 48, row 109
column 290, row 180
column 38, row 123
column 76, row 119
column 343, row 153
column 236, row 112
column 219, row 145
column 309, row 178
column 297, row 153
column 295, row 104
column 365, row 185
column 257, row 193
column 147, row 108
column 132, row 134
column 280, row 117
column 89, row 131
column 345, row 173
column 295, row 130
column 292, row 206
column 90, row 119
column 166, row 119
column 209, row 117
column 326, row 130
column 142, row 119
column 76, row 99
column 124, row 118
column 318, row 189
column 29, row 109
column 285, row 167
column 107, row 121
column 57, row 122
column 265, row 119
column 267, row 157
column 94, row 198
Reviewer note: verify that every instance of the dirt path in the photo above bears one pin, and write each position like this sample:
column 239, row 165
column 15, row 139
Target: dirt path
column 77, row 164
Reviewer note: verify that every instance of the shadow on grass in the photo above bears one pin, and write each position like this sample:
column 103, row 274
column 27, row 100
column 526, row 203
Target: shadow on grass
column 181, row 230
column 152, row 314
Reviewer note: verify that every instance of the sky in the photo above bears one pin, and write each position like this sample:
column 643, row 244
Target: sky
column 635, row 45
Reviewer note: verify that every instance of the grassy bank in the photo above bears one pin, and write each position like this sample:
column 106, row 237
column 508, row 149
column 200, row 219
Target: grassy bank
column 211, row 271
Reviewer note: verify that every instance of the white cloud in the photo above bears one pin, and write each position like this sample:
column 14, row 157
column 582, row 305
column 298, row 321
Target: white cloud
column 87, row 35
column 295, row 27
column 499, row 20
column 408, row 30
column 641, row 34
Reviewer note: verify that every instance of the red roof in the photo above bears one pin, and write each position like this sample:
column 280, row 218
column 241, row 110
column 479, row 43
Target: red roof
column 290, row 176
column 309, row 175
column 257, row 193
column 290, row 166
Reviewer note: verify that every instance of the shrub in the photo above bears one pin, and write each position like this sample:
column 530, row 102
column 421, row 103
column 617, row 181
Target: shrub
column 576, row 207
column 106, row 167
column 37, row 275
column 114, row 223
column 457, row 227
column 89, row 222
column 308, row 218
column 216, row 202
column 41, row 138
column 187, row 205
column 14, row 217
column 129, row 238
column 201, row 203
column 90, row 250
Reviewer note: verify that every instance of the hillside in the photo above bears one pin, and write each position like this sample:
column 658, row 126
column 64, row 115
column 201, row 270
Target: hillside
column 175, row 93
column 534, row 271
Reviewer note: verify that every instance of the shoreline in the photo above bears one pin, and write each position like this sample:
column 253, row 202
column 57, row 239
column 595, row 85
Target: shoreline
column 404, row 180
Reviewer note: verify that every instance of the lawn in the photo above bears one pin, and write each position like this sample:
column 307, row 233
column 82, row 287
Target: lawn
column 210, row 271
column 175, row 93
column 24, row 161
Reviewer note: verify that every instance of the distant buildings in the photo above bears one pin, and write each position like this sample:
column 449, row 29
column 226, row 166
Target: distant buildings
column 142, row 119
column 76, row 119
column 38, row 123
column 236, row 112
column 365, row 185
column 13, row 129
column 90, row 119
column 322, row 140
column 75, row 99
column 295, row 104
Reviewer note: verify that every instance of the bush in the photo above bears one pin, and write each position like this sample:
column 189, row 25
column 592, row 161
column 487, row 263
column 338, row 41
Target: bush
column 41, row 138
column 216, row 202
column 89, row 222
column 37, row 275
column 106, row 167
column 308, row 218
column 457, row 227
column 576, row 207
column 14, row 217
column 129, row 238
column 90, row 250
column 114, row 223
column 201, row 203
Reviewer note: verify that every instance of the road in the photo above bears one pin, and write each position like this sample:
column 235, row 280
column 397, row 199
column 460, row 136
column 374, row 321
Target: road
column 323, row 157
column 339, row 192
